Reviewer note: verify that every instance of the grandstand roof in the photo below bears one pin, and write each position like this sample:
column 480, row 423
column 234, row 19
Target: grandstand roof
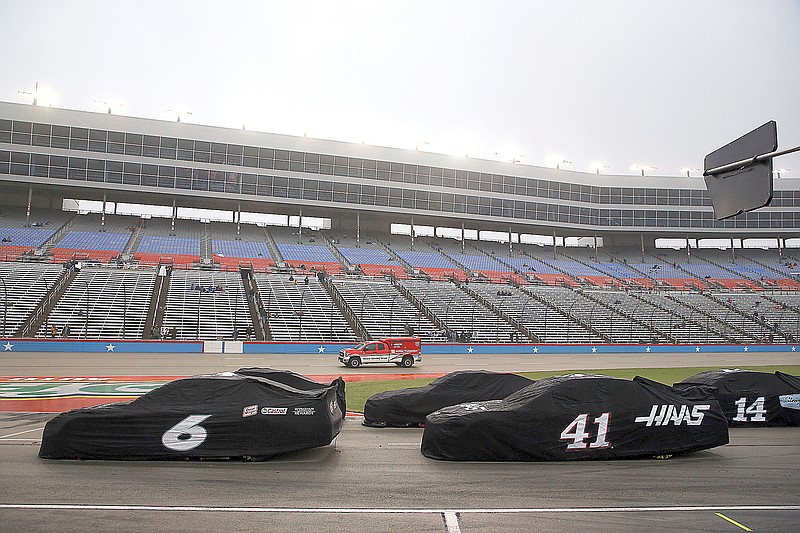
column 76, row 154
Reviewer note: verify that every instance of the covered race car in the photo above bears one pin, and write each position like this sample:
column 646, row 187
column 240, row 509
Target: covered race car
column 409, row 407
column 749, row 398
column 576, row 417
column 250, row 413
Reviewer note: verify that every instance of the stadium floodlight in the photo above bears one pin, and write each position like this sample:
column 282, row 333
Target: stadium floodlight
column 784, row 170
column 689, row 170
column 35, row 93
column 739, row 175
column 557, row 161
column 642, row 168
column 41, row 95
column 108, row 105
column 178, row 112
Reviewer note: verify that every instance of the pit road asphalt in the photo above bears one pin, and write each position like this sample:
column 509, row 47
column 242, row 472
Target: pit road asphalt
column 377, row 480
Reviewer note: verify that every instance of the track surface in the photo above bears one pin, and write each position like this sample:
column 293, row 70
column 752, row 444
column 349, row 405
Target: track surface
column 377, row 480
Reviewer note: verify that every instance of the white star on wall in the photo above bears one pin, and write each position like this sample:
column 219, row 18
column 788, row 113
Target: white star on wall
column 8, row 346
column 321, row 349
column 110, row 347
column 470, row 349
column 594, row 349
column 535, row 349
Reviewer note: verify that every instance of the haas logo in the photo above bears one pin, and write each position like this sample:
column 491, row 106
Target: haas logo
column 663, row 415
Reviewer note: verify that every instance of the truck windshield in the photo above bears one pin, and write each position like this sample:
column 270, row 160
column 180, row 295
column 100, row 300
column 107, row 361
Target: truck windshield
column 360, row 346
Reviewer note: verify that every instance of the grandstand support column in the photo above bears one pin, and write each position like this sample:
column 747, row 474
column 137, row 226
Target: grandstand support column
column 632, row 321
column 174, row 216
column 300, row 227
column 510, row 242
column 358, row 229
column 554, row 244
column 5, row 306
column 86, row 328
column 524, row 306
column 499, row 318
column 238, row 220
column 462, row 236
column 641, row 237
column 591, row 314
column 124, row 309
column 199, row 305
column 569, row 312
column 412, row 233
column 28, row 209
column 391, row 315
column 103, row 215
column 300, row 317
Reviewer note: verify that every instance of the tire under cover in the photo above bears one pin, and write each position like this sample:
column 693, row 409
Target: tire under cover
column 749, row 398
column 576, row 417
column 253, row 412
column 409, row 407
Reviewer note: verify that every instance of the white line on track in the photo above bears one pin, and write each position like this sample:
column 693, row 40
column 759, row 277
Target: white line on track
column 21, row 432
column 212, row 509
column 451, row 522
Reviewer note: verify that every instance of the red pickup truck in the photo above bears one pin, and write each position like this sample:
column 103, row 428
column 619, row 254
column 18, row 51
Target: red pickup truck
column 402, row 351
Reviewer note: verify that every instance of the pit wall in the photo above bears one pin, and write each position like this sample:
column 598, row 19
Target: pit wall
column 142, row 346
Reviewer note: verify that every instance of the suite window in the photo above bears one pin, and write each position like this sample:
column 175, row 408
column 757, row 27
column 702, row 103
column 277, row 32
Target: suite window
column 95, row 170
column 20, row 163
column 250, row 157
column 150, row 146
column 448, row 177
column 183, row 178
column 167, row 148
column 41, row 135
column 132, row 174
column 218, row 153
column 40, row 164
column 264, row 185
column 384, row 170
column 369, row 169
column 396, row 173
column 166, row 176
column 325, row 191
column 266, row 158
column 235, row 152
column 21, row 132
column 409, row 173
column 354, row 167
column 97, row 140
column 311, row 163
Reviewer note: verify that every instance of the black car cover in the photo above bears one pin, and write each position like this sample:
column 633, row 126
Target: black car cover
column 409, row 407
column 576, row 417
column 750, row 398
column 252, row 413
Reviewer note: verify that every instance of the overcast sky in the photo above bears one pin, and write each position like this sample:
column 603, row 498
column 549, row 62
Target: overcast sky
column 616, row 82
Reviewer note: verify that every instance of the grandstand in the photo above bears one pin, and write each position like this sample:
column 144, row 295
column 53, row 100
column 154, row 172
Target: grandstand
column 491, row 252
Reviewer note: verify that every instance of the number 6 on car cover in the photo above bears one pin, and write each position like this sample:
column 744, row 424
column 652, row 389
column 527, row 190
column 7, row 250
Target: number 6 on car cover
column 253, row 412
column 576, row 417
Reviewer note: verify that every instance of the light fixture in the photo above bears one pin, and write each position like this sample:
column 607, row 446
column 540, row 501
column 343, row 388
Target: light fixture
column 642, row 168
column 689, row 170
column 177, row 112
column 778, row 172
column 109, row 105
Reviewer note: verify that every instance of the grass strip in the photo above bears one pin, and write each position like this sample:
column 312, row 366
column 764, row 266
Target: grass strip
column 359, row 392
